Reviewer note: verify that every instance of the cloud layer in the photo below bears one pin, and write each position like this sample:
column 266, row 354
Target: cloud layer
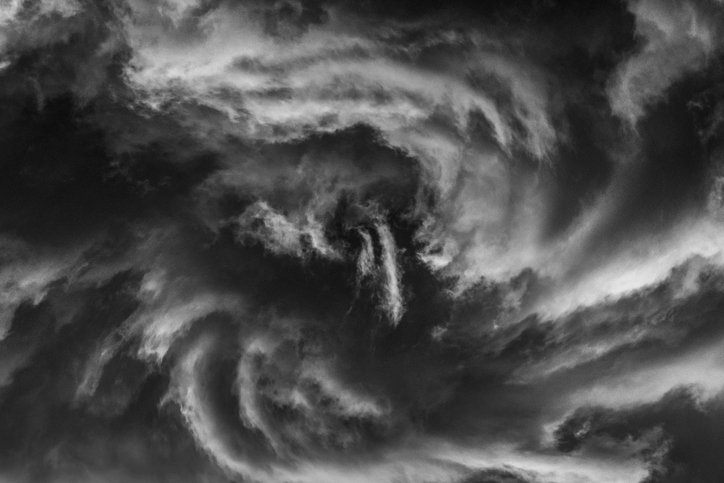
column 333, row 241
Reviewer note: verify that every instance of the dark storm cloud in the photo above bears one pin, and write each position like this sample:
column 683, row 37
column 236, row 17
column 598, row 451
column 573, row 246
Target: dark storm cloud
column 330, row 241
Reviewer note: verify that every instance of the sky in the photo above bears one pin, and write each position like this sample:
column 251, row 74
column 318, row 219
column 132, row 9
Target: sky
column 390, row 241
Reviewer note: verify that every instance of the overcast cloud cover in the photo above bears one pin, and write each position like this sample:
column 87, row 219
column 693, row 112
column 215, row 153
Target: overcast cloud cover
column 311, row 241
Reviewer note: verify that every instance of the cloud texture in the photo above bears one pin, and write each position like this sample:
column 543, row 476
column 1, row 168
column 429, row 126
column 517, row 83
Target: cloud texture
column 335, row 241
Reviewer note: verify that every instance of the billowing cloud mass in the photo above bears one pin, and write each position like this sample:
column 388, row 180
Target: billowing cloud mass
column 309, row 241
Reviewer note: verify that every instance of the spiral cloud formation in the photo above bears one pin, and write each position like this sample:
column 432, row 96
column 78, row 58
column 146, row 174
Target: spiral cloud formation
column 310, row 241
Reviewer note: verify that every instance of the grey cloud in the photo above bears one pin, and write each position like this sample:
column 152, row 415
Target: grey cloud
column 680, row 434
column 326, row 241
column 679, row 38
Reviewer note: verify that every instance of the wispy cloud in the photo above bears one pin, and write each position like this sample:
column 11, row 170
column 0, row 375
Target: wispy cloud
column 321, row 241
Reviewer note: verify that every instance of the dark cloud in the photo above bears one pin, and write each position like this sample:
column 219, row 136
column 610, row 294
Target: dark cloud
column 681, row 433
column 495, row 476
column 331, row 241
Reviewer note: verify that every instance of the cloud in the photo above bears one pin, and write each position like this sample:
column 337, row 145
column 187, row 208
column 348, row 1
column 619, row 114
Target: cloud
column 393, row 296
column 280, row 235
column 679, row 38
column 678, row 431
column 309, row 241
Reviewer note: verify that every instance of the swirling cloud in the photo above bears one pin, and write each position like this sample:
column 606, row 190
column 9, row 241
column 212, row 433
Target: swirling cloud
column 325, row 241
